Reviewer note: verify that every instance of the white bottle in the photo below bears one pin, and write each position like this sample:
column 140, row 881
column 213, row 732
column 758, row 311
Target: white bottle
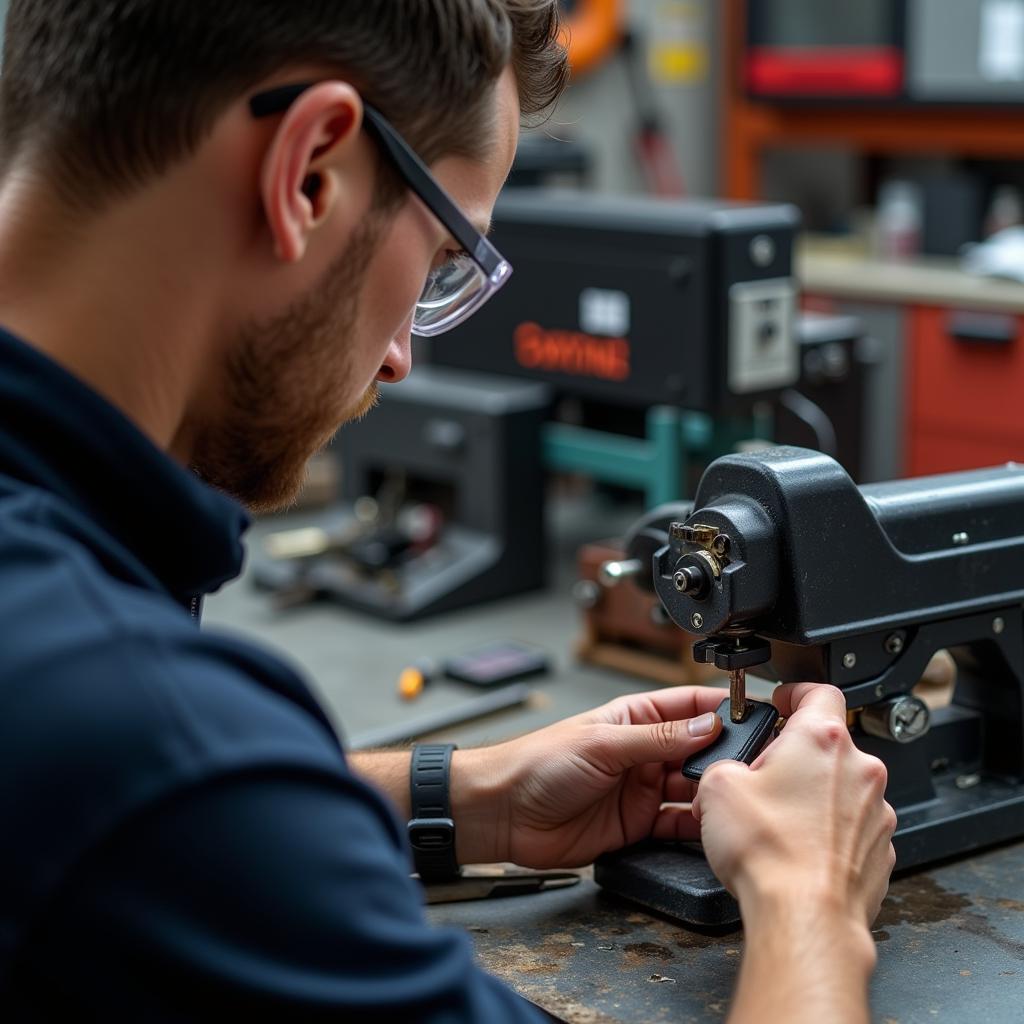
column 899, row 220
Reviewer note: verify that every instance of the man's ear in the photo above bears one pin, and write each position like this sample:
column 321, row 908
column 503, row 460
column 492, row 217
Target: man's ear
column 300, row 181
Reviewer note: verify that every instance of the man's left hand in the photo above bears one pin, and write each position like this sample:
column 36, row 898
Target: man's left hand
column 596, row 782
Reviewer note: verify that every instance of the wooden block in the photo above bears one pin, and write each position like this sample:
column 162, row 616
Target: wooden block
column 628, row 630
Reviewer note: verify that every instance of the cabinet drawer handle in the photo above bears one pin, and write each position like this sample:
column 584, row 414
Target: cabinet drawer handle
column 981, row 328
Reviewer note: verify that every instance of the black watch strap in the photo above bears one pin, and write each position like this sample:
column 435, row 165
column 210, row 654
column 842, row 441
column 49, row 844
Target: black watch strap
column 431, row 829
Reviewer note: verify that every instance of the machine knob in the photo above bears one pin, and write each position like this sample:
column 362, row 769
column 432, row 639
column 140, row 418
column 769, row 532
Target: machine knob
column 903, row 719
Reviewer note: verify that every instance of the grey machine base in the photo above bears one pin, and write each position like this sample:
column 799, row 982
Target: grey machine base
column 671, row 878
column 676, row 880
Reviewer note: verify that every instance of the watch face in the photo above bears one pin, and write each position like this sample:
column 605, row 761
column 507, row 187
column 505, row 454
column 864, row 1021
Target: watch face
column 431, row 835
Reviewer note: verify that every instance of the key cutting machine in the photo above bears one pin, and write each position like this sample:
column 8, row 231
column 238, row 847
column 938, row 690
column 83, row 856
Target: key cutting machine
column 786, row 569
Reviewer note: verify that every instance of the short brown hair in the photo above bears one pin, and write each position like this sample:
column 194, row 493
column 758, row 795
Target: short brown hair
column 106, row 94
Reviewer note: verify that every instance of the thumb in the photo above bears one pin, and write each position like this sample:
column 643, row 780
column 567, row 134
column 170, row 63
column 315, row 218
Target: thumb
column 663, row 741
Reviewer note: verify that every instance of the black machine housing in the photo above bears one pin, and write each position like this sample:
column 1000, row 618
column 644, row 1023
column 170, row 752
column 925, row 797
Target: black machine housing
column 860, row 587
column 640, row 301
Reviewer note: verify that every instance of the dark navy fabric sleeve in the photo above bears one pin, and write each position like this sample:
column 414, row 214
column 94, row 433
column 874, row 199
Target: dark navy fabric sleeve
column 281, row 896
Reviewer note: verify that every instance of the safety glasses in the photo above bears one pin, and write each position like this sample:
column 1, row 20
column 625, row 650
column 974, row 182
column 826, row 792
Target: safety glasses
column 457, row 288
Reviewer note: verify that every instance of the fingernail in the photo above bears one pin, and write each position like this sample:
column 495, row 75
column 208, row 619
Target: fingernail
column 701, row 726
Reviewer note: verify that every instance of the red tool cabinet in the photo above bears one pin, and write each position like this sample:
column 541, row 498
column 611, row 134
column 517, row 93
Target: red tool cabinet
column 965, row 389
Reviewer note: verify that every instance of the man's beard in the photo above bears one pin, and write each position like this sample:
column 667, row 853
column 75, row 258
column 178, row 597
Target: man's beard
column 284, row 378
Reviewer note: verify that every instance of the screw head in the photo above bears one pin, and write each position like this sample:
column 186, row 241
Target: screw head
column 849, row 659
column 586, row 594
column 894, row 643
column 880, row 690
column 998, row 624
column 697, row 620
column 909, row 719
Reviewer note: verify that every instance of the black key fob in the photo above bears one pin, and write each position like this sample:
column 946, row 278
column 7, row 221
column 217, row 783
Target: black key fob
column 738, row 741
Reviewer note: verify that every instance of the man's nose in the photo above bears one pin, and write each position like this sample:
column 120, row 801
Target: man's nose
column 398, row 359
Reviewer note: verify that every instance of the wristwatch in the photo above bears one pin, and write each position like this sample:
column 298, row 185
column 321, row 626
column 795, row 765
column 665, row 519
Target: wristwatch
column 431, row 829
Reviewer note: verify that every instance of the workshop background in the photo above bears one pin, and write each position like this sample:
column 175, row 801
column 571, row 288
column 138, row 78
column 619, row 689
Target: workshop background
column 469, row 561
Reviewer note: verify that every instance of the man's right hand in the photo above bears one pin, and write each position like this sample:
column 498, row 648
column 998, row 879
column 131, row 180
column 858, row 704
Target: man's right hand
column 808, row 817
column 802, row 838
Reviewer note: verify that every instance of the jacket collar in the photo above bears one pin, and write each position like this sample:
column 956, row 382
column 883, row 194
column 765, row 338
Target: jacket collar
column 58, row 434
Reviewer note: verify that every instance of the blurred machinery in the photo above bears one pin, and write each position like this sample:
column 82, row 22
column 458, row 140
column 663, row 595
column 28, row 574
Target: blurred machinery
column 443, row 502
column 681, row 310
column 825, row 410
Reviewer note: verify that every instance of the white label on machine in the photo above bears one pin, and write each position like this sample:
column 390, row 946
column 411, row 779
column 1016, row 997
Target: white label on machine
column 1001, row 41
column 763, row 349
column 604, row 311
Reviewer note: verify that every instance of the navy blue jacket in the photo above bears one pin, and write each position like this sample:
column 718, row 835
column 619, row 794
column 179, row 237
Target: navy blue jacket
column 180, row 835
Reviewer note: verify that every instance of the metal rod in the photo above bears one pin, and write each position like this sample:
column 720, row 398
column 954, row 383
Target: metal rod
column 444, row 718
column 611, row 574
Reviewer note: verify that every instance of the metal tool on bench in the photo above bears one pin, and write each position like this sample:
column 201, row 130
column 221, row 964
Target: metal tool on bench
column 495, row 886
column 787, row 569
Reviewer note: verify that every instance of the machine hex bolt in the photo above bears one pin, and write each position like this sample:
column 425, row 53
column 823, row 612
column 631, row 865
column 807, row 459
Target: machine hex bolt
column 688, row 580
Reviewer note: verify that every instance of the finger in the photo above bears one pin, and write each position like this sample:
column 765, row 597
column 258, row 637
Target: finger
column 793, row 697
column 721, row 770
column 668, row 705
column 627, row 746
column 676, row 823
column 881, row 865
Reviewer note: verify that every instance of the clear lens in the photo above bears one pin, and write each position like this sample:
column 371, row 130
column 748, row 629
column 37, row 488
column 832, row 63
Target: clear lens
column 453, row 291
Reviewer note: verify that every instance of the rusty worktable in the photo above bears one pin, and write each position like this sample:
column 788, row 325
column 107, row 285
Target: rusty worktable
column 950, row 948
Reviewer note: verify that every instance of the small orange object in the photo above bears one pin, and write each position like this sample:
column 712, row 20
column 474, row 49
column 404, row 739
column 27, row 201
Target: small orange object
column 593, row 33
column 411, row 683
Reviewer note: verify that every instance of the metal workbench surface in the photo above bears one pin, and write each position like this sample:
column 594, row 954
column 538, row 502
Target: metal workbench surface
column 950, row 948
column 950, row 939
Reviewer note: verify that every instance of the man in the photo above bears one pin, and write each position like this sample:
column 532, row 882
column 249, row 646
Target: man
column 213, row 242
